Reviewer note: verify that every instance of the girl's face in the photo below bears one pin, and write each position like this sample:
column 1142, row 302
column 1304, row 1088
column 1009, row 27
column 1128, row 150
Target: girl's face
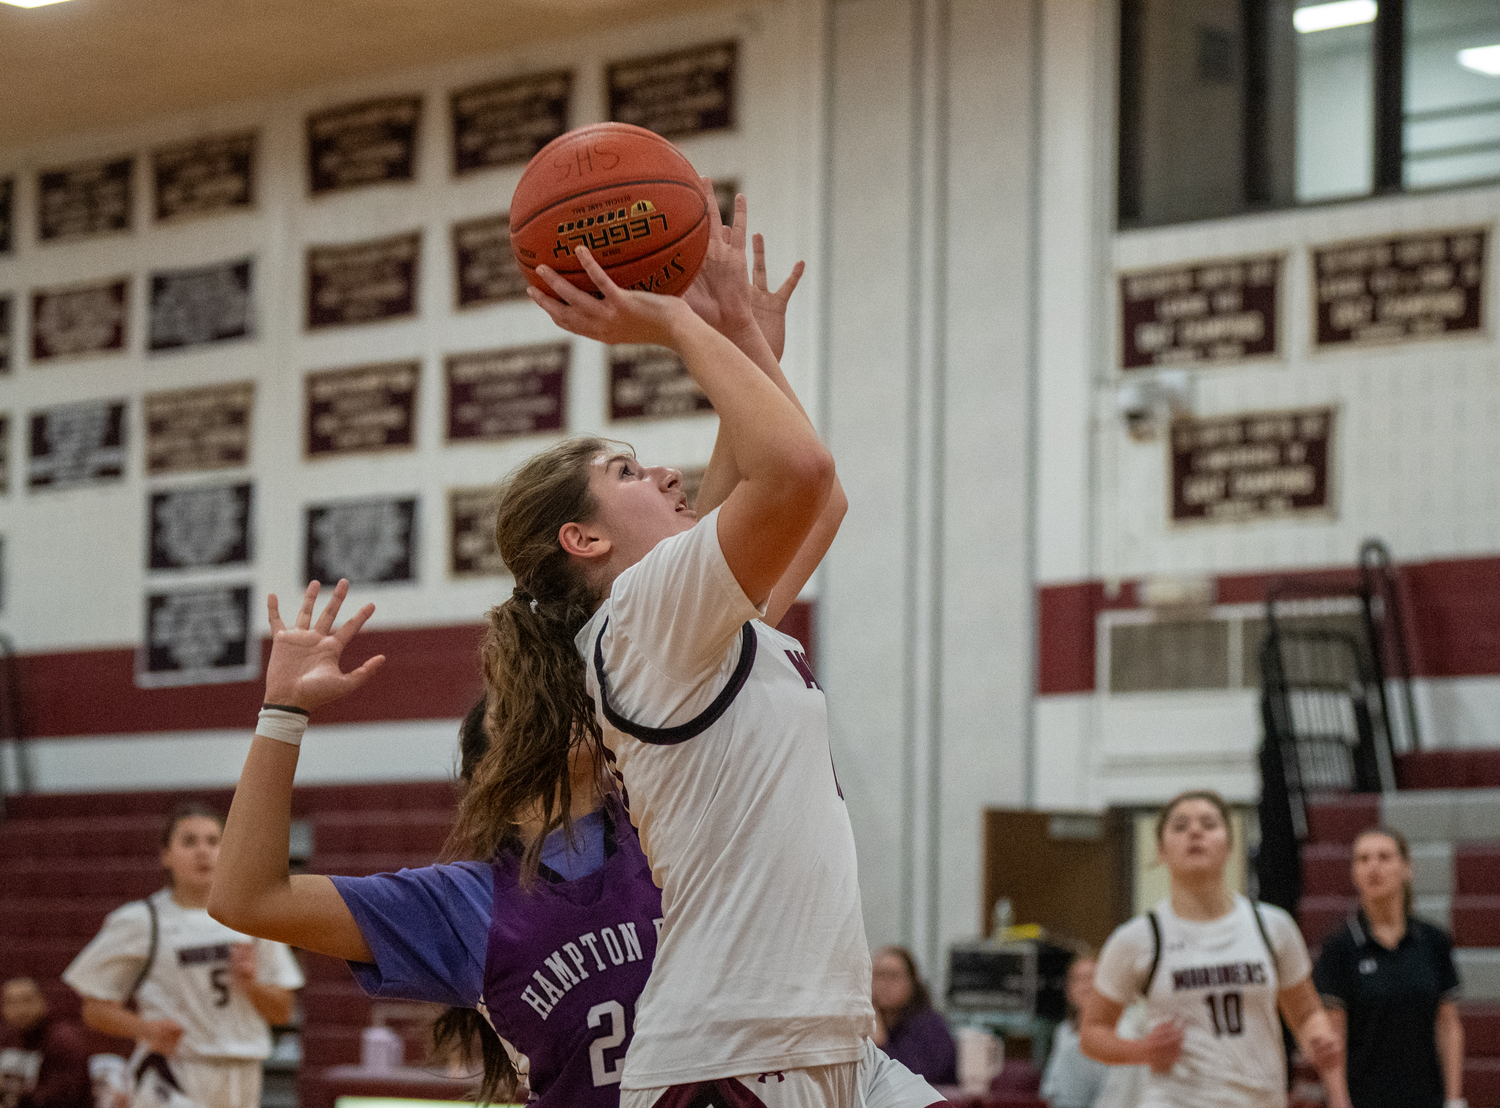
column 1194, row 840
column 638, row 506
column 891, row 985
column 1379, row 870
column 192, row 851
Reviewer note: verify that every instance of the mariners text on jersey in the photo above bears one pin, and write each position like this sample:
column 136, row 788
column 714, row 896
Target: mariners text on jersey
column 1230, row 973
column 569, row 964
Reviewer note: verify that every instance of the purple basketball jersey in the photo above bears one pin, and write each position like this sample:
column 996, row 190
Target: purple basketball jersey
column 566, row 962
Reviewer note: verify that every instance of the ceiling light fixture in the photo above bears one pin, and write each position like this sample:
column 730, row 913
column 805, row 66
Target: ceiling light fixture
column 30, row 3
column 1481, row 59
column 1341, row 13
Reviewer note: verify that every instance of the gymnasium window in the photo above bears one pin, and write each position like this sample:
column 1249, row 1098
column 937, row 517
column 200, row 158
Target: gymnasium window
column 1230, row 106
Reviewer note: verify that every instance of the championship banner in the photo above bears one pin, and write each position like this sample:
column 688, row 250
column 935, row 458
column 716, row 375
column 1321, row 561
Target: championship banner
column 76, row 444
column 198, row 636
column 677, row 95
column 1400, row 289
column 1211, row 313
column 471, row 533
column 1260, row 465
column 370, row 541
column 363, row 409
column 206, row 304
column 207, row 176
column 4, row 452
column 7, row 214
column 79, row 320
column 7, row 332
column 506, row 122
column 89, row 199
column 189, row 430
column 368, row 143
column 363, row 282
column 503, row 394
column 199, row 527
column 484, row 266
column 650, row 382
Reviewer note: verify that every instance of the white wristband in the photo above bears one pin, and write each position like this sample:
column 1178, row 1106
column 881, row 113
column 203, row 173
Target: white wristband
column 1456, row 1102
column 282, row 724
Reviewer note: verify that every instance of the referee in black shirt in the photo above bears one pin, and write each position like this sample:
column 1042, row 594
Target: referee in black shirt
column 1394, row 980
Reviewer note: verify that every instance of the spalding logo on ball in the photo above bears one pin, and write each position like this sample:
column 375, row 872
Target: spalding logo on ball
column 622, row 191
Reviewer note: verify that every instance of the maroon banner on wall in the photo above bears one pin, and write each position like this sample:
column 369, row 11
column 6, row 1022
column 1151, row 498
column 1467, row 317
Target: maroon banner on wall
column 199, row 429
column 471, row 533
column 484, row 265
column 362, row 409
column 202, row 305
column 506, row 122
column 79, row 320
column 363, row 282
column 650, row 382
column 7, row 214
column 206, row 176
column 1398, row 289
column 677, row 95
column 1260, row 465
column 94, row 198
column 1211, row 313
column 368, row 143
column 7, row 332
column 4, row 452
column 502, row 394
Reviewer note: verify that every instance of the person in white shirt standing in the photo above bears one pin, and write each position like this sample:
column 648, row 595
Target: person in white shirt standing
column 1214, row 969
column 712, row 721
column 206, row 996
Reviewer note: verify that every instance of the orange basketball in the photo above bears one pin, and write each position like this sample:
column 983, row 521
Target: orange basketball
column 624, row 192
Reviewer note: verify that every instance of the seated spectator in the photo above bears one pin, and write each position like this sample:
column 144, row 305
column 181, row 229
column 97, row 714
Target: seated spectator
column 908, row 1027
column 45, row 1061
column 1072, row 1080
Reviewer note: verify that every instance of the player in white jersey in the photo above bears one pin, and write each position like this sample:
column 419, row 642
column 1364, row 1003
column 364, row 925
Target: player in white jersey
column 205, row 994
column 1214, row 969
column 711, row 720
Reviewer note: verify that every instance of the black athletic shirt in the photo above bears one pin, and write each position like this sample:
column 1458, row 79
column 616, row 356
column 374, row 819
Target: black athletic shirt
column 1391, row 998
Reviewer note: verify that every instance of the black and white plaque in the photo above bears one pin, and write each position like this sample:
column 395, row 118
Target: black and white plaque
column 7, row 332
column 484, row 265
column 7, row 214
column 89, row 199
column 371, row 542
column 650, row 382
column 76, row 444
column 368, row 143
column 198, row 636
column 506, row 122
column 79, row 320
column 363, row 282
column 687, row 92
column 189, row 430
column 471, row 533
column 199, row 527
column 207, row 176
column 205, row 304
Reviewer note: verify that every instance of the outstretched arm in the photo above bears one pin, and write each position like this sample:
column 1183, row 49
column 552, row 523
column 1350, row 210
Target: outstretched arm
column 1317, row 1037
column 1100, row 1041
column 252, row 890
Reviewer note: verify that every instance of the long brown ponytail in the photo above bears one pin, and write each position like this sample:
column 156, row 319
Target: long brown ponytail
column 537, row 703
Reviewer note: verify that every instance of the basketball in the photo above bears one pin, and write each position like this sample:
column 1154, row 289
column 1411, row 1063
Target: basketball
column 624, row 192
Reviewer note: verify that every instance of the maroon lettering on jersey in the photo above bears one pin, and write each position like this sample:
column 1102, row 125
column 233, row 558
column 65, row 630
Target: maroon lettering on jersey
column 804, row 667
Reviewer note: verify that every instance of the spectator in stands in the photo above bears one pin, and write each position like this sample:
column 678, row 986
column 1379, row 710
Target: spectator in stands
column 908, row 1027
column 45, row 1060
column 1072, row 1080
column 1390, row 978
column 206, row 995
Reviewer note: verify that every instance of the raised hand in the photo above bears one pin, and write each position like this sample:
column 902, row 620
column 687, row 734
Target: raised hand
column 721, row 292
column 304, row 668
column 616, row 315
column 770, row 307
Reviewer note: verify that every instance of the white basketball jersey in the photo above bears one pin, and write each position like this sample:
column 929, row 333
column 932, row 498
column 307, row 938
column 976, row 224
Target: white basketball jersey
column 189, row 981
column 718, row 731
column 1220, row 979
